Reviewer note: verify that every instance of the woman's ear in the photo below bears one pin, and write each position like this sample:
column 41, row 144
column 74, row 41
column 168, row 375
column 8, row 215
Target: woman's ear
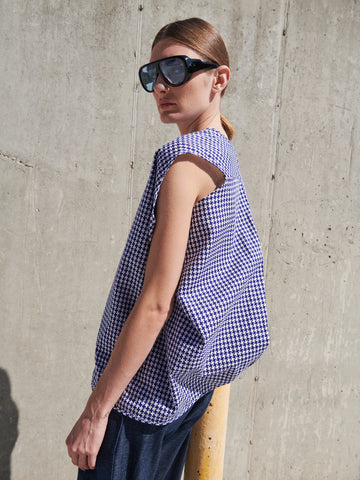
column 221, row 78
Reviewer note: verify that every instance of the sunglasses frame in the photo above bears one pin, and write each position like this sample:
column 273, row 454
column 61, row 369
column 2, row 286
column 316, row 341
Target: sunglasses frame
column 191, row 66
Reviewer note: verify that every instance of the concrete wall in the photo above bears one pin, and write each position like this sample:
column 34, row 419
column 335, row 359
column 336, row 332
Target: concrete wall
column 76, row 142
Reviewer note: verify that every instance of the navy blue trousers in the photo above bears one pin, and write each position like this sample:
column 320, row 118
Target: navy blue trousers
column 133, row 450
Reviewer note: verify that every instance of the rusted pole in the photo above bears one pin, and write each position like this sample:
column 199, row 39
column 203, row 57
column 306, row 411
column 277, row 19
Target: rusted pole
column 205, row 459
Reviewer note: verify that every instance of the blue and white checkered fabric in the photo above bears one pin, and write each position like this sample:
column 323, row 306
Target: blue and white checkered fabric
column 218, row 326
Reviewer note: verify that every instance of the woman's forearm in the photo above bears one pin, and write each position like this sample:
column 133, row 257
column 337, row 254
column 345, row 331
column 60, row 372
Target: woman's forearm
column 133, row 345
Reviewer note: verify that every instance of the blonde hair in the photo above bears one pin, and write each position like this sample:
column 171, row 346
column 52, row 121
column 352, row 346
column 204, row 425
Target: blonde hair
column 202, row 37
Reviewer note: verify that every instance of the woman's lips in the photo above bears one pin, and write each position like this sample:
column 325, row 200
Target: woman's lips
column 165, row 104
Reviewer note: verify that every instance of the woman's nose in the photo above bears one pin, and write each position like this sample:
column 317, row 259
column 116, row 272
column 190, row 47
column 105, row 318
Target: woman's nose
column 160, row 85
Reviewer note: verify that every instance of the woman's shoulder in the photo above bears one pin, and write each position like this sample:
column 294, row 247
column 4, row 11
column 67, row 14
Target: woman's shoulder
column 207, row 142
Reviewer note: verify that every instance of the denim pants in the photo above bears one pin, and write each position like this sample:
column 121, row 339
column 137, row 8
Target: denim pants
column 132, row 450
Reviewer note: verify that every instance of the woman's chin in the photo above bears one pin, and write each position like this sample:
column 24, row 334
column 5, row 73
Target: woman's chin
column 165, row 118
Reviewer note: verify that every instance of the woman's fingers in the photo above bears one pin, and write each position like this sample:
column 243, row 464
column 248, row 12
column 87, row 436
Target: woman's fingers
column 91, row 461
column 83, row 462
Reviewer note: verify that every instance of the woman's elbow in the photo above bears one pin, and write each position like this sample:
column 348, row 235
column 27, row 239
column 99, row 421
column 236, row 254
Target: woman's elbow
column 159, row 312
column 156, row 307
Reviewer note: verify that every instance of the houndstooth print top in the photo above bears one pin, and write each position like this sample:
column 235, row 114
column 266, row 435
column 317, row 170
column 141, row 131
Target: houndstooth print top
column 218, row 326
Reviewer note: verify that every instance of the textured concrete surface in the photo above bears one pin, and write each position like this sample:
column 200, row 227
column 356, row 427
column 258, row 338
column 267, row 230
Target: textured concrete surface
column 76, row 142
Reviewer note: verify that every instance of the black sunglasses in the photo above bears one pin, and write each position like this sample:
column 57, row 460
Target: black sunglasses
column 175, row 71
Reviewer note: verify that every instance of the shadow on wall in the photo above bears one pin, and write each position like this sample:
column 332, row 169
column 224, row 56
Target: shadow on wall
column 8, row 425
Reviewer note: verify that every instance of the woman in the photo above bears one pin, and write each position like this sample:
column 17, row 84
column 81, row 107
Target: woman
column 186, row 312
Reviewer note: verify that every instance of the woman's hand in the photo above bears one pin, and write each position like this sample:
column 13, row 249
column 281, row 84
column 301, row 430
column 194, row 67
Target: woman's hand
column 84, row 440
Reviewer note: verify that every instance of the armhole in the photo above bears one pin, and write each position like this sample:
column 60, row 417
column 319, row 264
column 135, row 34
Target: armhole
column 216, row 175
column 158, row 182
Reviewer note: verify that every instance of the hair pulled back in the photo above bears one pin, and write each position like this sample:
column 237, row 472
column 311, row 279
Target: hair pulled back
column 202, row 37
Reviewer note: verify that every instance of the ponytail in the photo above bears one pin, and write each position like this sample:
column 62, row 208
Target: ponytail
column 229, row 129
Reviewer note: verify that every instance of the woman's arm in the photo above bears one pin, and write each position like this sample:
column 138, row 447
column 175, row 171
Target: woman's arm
column 184, row 184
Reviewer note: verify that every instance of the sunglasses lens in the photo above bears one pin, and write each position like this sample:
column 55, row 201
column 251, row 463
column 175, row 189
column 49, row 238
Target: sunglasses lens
column 148, row 76
column 173, row 70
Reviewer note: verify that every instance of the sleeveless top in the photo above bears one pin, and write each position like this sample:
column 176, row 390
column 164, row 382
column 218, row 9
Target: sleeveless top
column 218, row 325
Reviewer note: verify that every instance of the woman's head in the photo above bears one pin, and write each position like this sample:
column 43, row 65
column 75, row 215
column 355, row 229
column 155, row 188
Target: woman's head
column 201, row 37
column 198, row 35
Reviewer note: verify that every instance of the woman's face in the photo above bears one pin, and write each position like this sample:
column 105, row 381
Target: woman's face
column 191, row 105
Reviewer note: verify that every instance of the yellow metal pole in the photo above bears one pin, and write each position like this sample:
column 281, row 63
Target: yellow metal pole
column 205, row 458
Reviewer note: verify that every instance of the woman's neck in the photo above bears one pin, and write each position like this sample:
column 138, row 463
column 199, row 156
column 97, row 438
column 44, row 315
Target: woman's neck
column 213, row 121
